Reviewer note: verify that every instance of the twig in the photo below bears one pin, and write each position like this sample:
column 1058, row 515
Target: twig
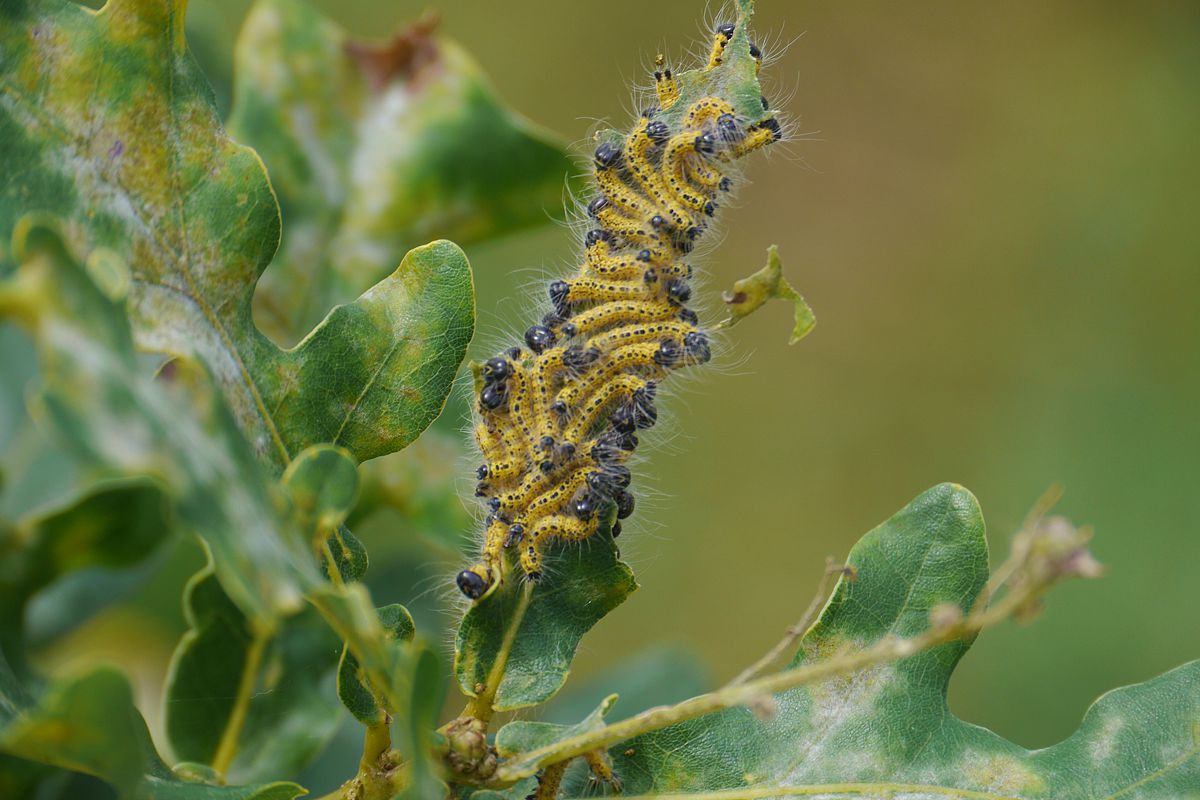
column 1050, row 552
column 798, row 629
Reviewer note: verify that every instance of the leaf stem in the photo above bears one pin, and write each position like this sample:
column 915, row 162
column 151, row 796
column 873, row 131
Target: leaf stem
column 227, row 747
column 886, row 650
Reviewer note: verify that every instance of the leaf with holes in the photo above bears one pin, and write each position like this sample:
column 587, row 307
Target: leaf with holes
column 106, row 121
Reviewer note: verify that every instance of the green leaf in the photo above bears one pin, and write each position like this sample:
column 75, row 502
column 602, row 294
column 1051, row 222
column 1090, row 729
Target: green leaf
column 887, row 731
column 522, row 736
column 89, row 724
column 751, row 293
column 248, row 704
column 322, row 483
column 352, row 684
column 375, row 148
column 175, row 430
column 589, row 582
column 115, row 525
column 106, row 121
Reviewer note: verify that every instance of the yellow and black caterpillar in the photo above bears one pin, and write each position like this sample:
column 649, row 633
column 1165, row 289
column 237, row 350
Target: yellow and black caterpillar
column 558, row 418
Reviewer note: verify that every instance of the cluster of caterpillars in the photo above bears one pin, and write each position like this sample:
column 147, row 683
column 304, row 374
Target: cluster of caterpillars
column 559, row 417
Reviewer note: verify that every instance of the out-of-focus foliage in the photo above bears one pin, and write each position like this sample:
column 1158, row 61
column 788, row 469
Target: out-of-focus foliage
column 374, row 148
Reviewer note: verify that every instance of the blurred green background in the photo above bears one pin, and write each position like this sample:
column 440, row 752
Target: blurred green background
column 994, row 210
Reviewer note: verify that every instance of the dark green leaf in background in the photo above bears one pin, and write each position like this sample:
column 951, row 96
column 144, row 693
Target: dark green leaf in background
column 97, row 401
column 106, row 121
column 292, row 711
column 89, row 724
column 373, row 149
column 352, row 684
column 113, row 526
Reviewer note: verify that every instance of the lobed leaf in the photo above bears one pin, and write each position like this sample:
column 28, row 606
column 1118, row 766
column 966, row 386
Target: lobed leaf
column 107, row 122
column 534, row 647
column 374, row 148
column 887, row 731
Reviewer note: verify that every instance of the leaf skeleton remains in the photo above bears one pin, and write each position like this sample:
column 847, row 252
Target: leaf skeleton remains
column 558, row 418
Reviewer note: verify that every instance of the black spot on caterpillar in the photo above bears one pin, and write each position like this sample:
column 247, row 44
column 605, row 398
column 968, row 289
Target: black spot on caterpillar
column 558, row 418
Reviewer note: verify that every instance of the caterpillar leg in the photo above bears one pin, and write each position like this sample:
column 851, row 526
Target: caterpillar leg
column 600, row 764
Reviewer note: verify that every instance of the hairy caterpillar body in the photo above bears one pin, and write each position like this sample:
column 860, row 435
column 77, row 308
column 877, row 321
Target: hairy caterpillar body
column 559, row 417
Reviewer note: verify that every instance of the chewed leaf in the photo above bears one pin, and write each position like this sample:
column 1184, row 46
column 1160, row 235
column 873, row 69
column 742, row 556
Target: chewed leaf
column 107, row 121
column 750, row 294
column 373, row 149
column 887, row 730
column 537, row 654
column 89, row 724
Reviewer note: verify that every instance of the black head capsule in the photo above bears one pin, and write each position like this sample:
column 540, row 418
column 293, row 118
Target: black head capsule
column 689, row 316
column 710, row 208
column 515, row 532
column 726, row 184
column 658, row 222
column 625, row 504
column 492, row 396
column 569, row 330
column 705, row 143
column 726, row 29
column 481, row 489
column 559, row 407
column 496, row 370
column 616, row 529
column 678, row 290
column 494, row 504
column 669, row 353
column 539, row 337
column 566, row 451
column 754, row 51
column 558, row 291
column 578, row 358
column 643, row 256
column 621, row 419
column 597, row 205
column 482, row 472
column 696, row 345
column 728, row 128
column 607, row 155
column 584, row 506
column 513, row 352
column 772, row 125
column 471, row 583
column 547, row 443
column 658, row 132
column 597, row 235
column 650, row 276
column 644, row 412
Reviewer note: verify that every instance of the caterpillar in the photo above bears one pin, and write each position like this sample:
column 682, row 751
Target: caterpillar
column 558, row 417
